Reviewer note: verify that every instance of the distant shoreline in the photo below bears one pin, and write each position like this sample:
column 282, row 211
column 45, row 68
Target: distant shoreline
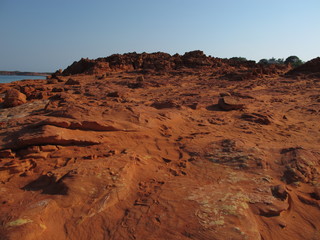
column 25, row 73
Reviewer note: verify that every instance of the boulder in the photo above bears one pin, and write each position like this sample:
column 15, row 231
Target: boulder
column 228, row 103
column 72, row 82
column 280, row 192
column 14, row 98
column 300, row 165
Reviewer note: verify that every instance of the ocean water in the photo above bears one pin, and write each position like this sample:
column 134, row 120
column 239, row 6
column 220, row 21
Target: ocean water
column 12, row 78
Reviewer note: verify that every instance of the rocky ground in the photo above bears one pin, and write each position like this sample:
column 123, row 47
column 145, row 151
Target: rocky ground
column 191, row 150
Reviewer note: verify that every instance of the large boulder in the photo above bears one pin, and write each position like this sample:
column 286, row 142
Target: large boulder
column 14, row 98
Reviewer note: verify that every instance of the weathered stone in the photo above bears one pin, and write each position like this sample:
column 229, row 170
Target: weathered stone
column 316, row 193
column 72, row 81
column 52, row 81
column 225, row 94
column 6, row 153
column 256, row 118
column 164, row 104
column 300, row 165
column 140, row 79
column 113, row 94
column 14, row 98
column 48, row 148
column 280, row 192
column 228, row 103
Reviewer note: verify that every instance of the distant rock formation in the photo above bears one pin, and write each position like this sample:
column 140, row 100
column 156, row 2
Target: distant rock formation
column 310, row 67
column 24, row 73
column 164, row 62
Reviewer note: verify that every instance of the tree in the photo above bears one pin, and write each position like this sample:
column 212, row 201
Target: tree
column 240, row 59
column 294, row 61
column 272, row 61
column 263, row 61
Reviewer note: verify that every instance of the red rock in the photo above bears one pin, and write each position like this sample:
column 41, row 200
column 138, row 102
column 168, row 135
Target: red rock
column 14, row 98
column 316, row 193
column 48, row 148
column 300, row 165
column 228, row 103
column 96, row 161
column 52, row 81
column 51, row 135
column 72, row 81
column 310, row 67
column 256, row 118
column 162, row 62
column 280, row 192
column 164, row 104
column 7, row 153
column 113, row 94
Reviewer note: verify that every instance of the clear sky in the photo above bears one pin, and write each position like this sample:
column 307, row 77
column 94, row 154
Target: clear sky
column 45, row 35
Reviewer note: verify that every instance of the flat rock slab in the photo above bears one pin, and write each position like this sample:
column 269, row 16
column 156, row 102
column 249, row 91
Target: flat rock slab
column 228, row 103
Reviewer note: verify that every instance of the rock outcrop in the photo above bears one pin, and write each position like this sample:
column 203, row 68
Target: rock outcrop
column 14, row 98
column 311, row 67
column 163, row 62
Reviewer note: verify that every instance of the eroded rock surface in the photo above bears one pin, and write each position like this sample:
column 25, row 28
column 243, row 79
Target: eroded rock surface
column 135, row 146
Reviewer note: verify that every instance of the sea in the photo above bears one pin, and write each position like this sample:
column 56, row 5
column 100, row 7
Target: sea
column 12, row 78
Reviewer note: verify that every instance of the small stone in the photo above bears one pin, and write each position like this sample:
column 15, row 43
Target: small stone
column 225, row 94
column 52, row 81
column 193, row 106
column 135, row 85
column 140, row 79
column 29, row 150
column 282, row 224
column 113, row 94
column 72, row 81
column 55, row 89
column 48, row 148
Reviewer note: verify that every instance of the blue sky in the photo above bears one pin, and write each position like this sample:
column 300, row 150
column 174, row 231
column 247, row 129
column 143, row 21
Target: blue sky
column 45, row 35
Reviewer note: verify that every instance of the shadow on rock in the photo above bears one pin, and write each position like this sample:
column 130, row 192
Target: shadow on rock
column 214, row 107
column 48, row 185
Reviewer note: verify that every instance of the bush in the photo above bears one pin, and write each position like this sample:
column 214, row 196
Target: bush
column 240, row 59
column 271, row 61
column 294, row 61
